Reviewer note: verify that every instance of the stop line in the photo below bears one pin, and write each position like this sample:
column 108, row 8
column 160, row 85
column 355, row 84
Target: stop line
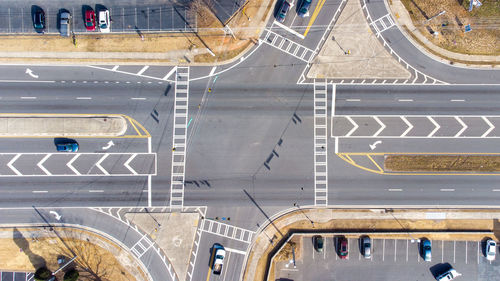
column 415, row 126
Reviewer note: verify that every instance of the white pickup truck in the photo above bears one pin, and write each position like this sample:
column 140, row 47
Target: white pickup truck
column 220, row 254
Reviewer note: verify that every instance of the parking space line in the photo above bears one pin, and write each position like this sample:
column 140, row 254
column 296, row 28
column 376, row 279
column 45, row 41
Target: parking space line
column 418, row 251
column 383, row 250
column 324, row 250
column 465, row 251
column 454, row 247
column 478, row 252
column 406, row 250
column 135, row 9
column 142, row 70
column 22, row 20
column 10, row 27
column 313, row 252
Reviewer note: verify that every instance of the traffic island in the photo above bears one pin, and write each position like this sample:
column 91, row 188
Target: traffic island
column 97, row 258
column 272, row 245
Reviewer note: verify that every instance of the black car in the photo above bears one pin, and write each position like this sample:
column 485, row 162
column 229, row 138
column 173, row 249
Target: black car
column 318, row 243
column 303, row 9
column 285, row 6
column 39, row 20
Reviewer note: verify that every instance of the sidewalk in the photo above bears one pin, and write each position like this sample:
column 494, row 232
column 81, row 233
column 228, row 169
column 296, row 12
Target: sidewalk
column 402, row 17
column 471, row 223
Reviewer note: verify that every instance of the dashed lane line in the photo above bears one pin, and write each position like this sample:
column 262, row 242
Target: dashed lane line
column 447, row 189
column 40, row 191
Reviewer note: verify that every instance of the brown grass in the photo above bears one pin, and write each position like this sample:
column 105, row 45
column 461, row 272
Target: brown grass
column 484, row 39
column 442, row 163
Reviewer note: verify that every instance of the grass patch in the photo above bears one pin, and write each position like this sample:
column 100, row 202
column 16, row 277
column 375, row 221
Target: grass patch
column 442, row 163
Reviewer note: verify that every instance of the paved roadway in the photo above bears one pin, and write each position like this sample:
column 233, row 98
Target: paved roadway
column 249, row 141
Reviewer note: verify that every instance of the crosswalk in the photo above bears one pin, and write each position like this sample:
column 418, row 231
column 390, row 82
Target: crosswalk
column 228, row 231
column 141, row 246
column 179, row 137
column 286, row 45
column 320, row 143
column 382, row 24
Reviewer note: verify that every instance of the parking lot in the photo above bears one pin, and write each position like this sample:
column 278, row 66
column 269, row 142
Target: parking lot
column 16, row 276
column 17, row 18
column 392, row 259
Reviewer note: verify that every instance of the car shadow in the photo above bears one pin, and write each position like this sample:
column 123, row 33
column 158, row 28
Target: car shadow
column 58, row 141
column 439, row 268
column 85, row 8
column 99, row 7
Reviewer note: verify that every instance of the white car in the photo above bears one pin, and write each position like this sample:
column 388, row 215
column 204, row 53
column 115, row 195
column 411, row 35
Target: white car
column 104, row 22
column 491, row 250
column 448, row 275
column 220, row 254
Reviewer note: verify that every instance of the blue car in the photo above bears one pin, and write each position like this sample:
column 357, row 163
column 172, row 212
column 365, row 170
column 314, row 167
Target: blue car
column 426, row 250
column 67, row 147
column 303, row 9
column 281, row 15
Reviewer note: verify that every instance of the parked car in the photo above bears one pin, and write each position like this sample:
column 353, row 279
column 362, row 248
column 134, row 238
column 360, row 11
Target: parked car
column 220, row 254
column 491, row 250
column 343, row 248
column 281, row 15
column 303, row 9
column 65, row 25
column 90, row 20
column 67, row 147
column 448, row 275
column 426, row 250
column 39, row 20
column 318, row 242
column 366, row 246
column 104, row 22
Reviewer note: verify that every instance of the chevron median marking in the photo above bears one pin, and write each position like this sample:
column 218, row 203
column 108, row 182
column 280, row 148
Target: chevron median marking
column 40, row 164
column 98, row 164
column 70, row 164
column 12, row 166
column 128, row 162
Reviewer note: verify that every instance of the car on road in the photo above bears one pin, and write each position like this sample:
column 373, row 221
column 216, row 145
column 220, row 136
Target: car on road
column 67, row 147
column 104, row 22
column 343, row 248
column 303, row 9
column 491, row 250
column 219, row 255
column 318, row 242
column 281, row 15
column 366, row 246
column 39, row 20
column 449, row 275
column 426, row 250
column 90, row 20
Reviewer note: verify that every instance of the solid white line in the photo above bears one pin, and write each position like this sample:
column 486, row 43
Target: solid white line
column 465, row 251
column 138, row 98
column 115, row 67
column 40, row 191
column 28, row 98
column 447, row 189
column 496, row 190
column 96, row 190
column 334, row 95
column 150, row 203
column 83, row 98
column 336, row 145
column 405, row 100
column 456, row 100
column 353, row 100
column 235, row 251
column 212, row 71
column 25, row 81
column 289, row 30
column 142, row 70
column 394, row 189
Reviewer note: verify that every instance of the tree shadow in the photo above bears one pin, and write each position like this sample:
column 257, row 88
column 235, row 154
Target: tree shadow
column 24, row 246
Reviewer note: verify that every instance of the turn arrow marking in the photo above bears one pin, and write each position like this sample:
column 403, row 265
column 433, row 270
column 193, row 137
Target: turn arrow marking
column 30, row 73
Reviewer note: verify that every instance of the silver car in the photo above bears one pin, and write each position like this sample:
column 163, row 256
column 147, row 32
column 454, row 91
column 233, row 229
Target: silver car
column 366, row 245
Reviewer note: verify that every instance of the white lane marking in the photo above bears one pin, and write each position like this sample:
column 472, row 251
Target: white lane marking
column 98, row 164
column 138, row 98
column 487, row 121
column 83, row 98
column 128, row 162
column 142, row 70
column 40, row 164
column 457, row 100
column 394, row 189
column 403, row 100
column 289, row 30
column 96, row 190
column 435, row 124
column 29, row 98
column 25, row 81
column 447, row 189
column 464, row 126
column 235, row 251
column 495, row 190
column 115, row 68
column 382, row 126
column 69, row 164
column 353, row 100
column 356, row 126
column 410, row 126
column 40, row 191
column 336, row 145
column 84, row 82
column 12, row 166
column 212, row 71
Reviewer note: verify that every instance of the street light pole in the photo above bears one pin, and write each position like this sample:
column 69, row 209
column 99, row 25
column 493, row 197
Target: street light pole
column 298, row 207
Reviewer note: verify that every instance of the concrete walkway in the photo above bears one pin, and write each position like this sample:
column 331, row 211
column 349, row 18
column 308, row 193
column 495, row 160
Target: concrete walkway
column 352, row 51
column 402, row 17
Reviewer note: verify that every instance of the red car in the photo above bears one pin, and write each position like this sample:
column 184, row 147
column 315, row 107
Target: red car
column 90, row 20
column 343, row 248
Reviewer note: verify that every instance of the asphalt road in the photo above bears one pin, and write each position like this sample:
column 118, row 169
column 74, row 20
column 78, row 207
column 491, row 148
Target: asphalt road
column 250, row 138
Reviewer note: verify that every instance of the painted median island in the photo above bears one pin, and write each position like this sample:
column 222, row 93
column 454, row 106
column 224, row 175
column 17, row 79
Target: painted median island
column 442, row 163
